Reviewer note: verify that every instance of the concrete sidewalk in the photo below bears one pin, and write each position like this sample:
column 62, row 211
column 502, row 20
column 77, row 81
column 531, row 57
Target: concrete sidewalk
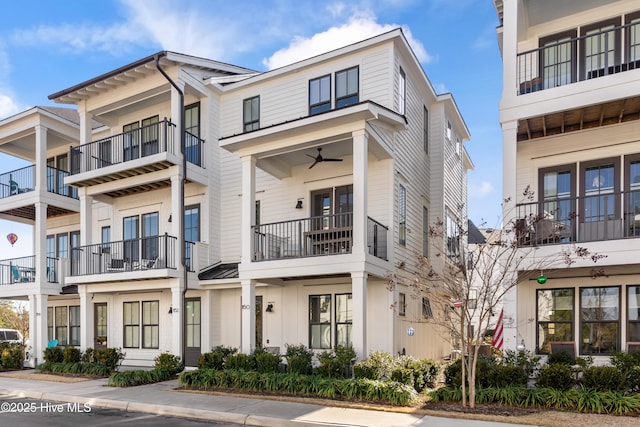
column 162, row 399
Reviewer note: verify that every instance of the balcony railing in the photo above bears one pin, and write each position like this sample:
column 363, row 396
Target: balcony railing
column 579, row 219
column 315, row 236
column 22, row 181
column 23, row 270
column 147, row 253
column 610, row 51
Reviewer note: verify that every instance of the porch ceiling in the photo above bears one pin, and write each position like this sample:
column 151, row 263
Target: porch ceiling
column 593, row 116
column 29, row 212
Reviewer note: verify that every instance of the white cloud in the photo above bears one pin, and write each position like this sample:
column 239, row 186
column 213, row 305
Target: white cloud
column 360, row 26
column 8, row 106
column 479, row 190
column 336, row 9
column 441, row 88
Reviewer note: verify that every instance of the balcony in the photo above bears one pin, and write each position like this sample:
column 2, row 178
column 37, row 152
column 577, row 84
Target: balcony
column 589, row 218
column 136, row 152
column 315, row 236
column 22, row 270
column 141, row 254
column 22, row 181
column 567, row 61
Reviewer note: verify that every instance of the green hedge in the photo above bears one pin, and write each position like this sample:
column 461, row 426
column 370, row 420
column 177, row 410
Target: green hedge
column 140, row 377
column 581, row 399
column 11, row 355
column 75, row 368
column 389, row 392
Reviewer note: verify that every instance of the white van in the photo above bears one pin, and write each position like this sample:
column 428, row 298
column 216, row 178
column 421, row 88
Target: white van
column 10, row 335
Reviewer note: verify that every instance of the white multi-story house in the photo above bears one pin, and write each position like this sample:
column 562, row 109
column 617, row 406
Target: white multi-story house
column 297, row 191
column 569, row 113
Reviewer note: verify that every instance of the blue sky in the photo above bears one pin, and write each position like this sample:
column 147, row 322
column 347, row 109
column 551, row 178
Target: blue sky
column 47, row 46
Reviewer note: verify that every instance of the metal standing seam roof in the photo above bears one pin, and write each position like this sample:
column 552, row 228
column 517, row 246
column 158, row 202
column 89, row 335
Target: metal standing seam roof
column 220, row 271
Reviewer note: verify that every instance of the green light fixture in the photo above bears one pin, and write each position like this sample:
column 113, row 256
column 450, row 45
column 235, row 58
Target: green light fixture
column 542, row 279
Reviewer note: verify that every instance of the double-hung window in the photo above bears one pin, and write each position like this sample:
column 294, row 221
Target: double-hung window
column 600, row 320
column 344, row 319
column 402, row 215
column 347, row 87
column 192, row 144
column 320, row 95
column 402, row 92
column 633, row 314
column 150, row 324
column 131, row 322
column 62, row 322
column 320, row 321
column 555, row 317
column 191, row 232
column 74, row 325
column 251, row 114
column 453, row 236
column 402, row 304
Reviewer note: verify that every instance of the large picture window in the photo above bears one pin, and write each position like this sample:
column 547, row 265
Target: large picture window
column 554, row 317
column 600, row 320
column 320, row 321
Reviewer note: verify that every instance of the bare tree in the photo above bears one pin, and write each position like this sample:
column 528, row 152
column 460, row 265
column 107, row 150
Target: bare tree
column 466, row 288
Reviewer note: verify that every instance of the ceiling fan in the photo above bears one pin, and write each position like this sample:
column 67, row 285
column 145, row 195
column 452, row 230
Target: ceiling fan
column 319, row 159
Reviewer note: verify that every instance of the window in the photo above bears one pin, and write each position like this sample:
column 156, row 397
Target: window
column 402, row 215
column 106, row 239
column 149, row 133
column 62, row 245
column 320, row 95
column 425, row 129
column 425, row 232
column 131, row 141
column 448, row 131
column 426, row 308
column 100, row 322
column 251, row 114
column 633, row 37
column 632, row 188
column 402, row 304
column 257, row 212
column 192, row 143
column 320, row 321
column 472, row 300
column 74, row 325
column 150, row 324
column 75, row 251
column 61, row 324
column 131, row 323
column 558, row 59
column 458, row 146
column 600, row 48
column 600, row 184
column 130, row 236
column 402, row 92
column 150, row 240
column 600, row 320
column 554, row 317
column 347, row 87
column 63, row 170
column 344, row 319
column 633, row 314
column 51, row 260
column 558, row 196
column 453, row 236
column 49, row 323
column 191, row 231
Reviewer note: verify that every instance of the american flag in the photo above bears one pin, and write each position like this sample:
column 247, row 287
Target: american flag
column 498, row 340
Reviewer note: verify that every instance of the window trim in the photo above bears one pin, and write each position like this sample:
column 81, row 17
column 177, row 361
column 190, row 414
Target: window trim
column 312, row 323
column 427, row 311
column 349, row 323
column 618, row 322
column 74, row 327
column 402, row 91
column 425, row 129
column 322, row 105
column 402, row 304
column 571, row 34
column 250, row 123
column 628, row 312
column 617, row 40
column 153, row 326
column 402, row 215
column 616, row 184
column 134, row 327
column 350, row 98
column 571, row 322
column 58, row 328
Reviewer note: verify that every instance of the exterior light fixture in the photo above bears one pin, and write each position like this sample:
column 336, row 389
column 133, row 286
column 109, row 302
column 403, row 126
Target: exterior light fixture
column 269, row 308
column 299, row 204
column 520, row 346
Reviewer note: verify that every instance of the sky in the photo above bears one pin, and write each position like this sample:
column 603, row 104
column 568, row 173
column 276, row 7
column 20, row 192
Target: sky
column 47, row 46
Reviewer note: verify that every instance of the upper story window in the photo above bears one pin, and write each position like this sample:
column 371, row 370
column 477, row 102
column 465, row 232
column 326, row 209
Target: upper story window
column 402, row 215
column 402, row 92
column 600, row 47
column 320, row 94
column 633, row 36
column 192, row 144
column 347, row 87
column 425, row 129
column 448, row 131
column 453, row 236
column 251, row 114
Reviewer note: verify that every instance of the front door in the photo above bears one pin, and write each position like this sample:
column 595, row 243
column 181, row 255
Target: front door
column 100, row 325
column 192, row 332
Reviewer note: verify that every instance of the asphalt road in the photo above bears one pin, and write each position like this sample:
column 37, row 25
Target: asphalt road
column 40, row 413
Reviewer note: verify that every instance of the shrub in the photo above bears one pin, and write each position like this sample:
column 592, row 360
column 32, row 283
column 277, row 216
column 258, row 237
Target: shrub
column 557, row 375
column 11, row 355
column 298, row 359
column 240, row 361
column 330, row 366
column 71, row 354
column 88, row 356
column 88, row 369
column 563, row 357
column 508, row 375
column 168, row 362
column 215, row 359
column 604, row 378
column 629, row 365
column 524, row 359
column 418, row 373
column 110, row 357
column 267, row 362
column 53, row 354
column 139, row 377
column 376, row 367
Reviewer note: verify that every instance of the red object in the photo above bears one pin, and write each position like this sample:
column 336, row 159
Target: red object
column 498, row 340
column 12, row 238
column 457, row 303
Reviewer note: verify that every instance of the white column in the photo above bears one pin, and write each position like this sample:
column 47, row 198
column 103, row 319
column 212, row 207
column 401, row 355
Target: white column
column 510, row 49
column 40, row 340
column 177, row 331
column 509, row 191
column 87, row 327
column 41, row 159
column 86, row 217
column 40, row 244
column 360, row 175
column 359, row 307
column 85, row 123
column 248, row 215
column 248, row 316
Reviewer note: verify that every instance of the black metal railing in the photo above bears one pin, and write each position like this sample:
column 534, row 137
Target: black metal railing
column 579, row 219
column 193, row 149
column 315, row 236
column 18, row 181
column 131, row 145
column 147, row 253
column 592, row 55
column 23, row 270
column 23, row 181
column 189, row 259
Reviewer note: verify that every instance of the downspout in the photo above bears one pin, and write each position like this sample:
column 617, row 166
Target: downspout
column 181, row 240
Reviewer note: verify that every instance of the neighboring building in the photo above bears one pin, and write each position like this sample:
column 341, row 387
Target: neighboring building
column 303, row 187
column 569, row 113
